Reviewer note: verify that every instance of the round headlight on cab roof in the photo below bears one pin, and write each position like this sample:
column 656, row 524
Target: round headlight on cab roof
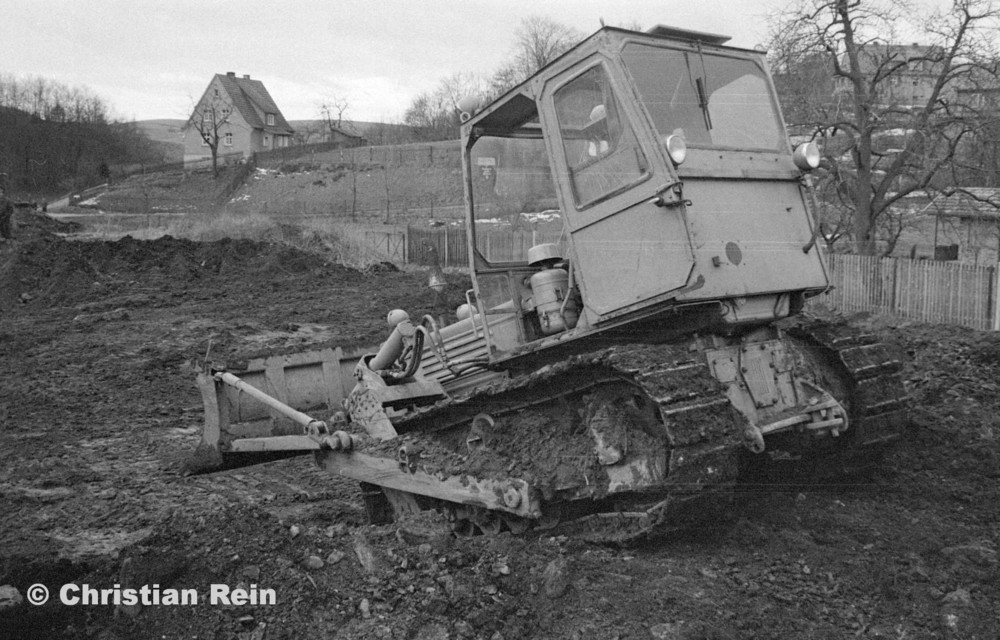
column 806, row 156
column 677, row 149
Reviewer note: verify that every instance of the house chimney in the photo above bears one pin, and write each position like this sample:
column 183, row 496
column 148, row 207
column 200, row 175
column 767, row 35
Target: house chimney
column 231, row 74
column 246, row 76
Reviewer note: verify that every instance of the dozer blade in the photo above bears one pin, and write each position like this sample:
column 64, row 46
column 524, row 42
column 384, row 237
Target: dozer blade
column 260, row 412
column 245, row 425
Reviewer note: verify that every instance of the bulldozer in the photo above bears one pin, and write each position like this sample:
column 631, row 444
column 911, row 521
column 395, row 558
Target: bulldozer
column 612, row 383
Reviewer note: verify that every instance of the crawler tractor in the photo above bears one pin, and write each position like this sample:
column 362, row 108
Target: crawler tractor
column 612, row 383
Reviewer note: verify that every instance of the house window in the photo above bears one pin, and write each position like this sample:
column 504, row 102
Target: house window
column 270, row 119
column 228, row 140
column 225, row 112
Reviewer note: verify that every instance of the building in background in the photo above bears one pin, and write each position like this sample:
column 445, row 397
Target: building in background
column 239, row 116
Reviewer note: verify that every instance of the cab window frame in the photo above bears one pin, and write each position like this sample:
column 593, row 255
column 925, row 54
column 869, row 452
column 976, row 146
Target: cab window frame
column 626, row 139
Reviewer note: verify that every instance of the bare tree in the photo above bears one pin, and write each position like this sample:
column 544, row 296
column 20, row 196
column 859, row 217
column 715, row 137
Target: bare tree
column 209, row 119
column 899, row 115
column 54, row 137
column 538, row 41
column 434, row 115
column 333, row 112
column 304, row 133
column 542, row 40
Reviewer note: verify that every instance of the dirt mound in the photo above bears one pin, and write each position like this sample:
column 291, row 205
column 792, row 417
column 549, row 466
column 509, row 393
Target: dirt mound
column 48, row 270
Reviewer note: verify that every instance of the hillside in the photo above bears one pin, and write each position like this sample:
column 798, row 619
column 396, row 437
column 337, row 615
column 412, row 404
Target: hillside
column 374, row 133
column 166, row 135
column 167, row 131
column 385, row 184
column 45, row 158
column 394, row 184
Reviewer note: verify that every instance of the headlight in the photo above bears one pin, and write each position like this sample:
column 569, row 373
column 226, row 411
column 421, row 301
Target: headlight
column 806, row 156
column 677, row 149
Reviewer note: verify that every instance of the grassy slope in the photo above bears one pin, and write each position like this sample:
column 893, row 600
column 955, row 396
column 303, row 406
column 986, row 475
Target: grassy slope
column 360, row 194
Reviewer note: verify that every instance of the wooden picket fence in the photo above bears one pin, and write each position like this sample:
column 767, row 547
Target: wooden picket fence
column 924, row 290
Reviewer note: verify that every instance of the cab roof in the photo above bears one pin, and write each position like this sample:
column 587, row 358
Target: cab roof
column 515, row 114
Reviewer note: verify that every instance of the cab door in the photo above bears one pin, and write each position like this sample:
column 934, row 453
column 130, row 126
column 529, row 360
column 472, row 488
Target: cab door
column 630, row 242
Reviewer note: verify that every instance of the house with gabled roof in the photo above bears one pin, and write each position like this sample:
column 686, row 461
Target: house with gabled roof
column 242, row 116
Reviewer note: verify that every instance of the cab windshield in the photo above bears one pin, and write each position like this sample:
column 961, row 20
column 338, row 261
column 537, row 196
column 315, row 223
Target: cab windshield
column 713, row 101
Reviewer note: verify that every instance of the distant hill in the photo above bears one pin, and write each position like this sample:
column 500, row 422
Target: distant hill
column 167, row 135
column 168, row 131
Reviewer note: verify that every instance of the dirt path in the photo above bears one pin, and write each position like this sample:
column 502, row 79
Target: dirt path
column 97, row 408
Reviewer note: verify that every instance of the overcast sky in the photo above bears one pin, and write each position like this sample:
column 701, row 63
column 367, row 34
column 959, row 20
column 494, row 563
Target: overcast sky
column 153, row 59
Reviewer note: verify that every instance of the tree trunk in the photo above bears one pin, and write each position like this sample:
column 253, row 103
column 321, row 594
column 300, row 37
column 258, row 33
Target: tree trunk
column 863, row 223
column 215, row 158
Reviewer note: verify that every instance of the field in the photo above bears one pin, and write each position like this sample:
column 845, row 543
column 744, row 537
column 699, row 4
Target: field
column 397, row 185
column 98, row 409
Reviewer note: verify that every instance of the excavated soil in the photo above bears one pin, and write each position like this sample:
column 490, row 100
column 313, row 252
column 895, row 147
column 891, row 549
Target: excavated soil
column 98, row 407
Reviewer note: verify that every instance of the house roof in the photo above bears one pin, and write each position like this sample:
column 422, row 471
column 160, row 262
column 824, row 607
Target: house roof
column 252, row 100
column 964, row 202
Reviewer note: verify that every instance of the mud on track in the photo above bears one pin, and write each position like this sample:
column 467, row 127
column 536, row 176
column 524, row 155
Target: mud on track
column 97, row 408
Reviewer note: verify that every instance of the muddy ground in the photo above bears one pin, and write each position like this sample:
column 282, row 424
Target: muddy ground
column 98, row 408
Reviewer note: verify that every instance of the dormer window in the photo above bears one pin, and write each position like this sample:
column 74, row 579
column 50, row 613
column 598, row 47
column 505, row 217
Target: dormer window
column 270, row 119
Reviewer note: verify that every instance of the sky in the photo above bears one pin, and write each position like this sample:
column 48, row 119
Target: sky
column 153, row 59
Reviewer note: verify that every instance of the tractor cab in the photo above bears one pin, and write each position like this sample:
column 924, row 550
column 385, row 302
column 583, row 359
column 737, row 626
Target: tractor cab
column 665, row 157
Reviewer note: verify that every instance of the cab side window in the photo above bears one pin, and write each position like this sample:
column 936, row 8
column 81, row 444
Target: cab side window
column 601, row 149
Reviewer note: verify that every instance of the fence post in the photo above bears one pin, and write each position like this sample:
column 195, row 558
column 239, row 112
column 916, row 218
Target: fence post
column 996, row 297
column 895, row 279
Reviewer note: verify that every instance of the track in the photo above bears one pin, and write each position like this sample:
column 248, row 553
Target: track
column 649, row 404
column 872, row 389
column 632, row 440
